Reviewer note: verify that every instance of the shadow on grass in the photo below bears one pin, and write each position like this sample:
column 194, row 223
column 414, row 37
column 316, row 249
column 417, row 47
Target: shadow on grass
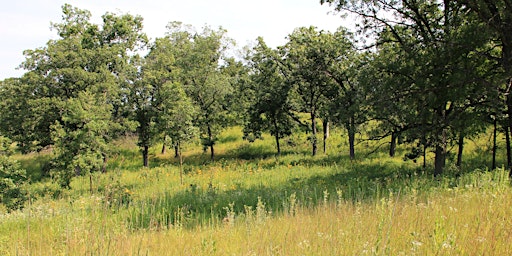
column 349, row 181
column 203, row 206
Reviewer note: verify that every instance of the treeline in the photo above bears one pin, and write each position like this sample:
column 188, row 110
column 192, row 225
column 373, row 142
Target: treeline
column 431, row 74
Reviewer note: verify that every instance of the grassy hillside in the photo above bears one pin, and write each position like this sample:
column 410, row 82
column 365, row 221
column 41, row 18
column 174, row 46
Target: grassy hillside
column 248, row 202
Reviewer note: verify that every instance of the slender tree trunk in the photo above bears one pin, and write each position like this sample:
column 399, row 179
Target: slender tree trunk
column 181, row 162
column 460, row 150
column 145, row 156
column 176, row 151
column 276, row 136
column 351, row 129
column 163, row 148
column 507, row 142
column 392, row 145
column 326, row 133
column 424, row 156
column 210, row 141
column 494, row 144
column 313, row 133
column 104, row 166
column 90, row 182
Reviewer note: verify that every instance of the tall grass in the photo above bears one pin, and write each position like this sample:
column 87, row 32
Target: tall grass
column 250, row 202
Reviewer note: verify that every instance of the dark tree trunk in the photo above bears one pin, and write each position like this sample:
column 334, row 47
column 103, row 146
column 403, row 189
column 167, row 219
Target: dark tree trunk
column 440, row 154
column 351, row 129
column 210, row 141
column 508, row 129
column 163, row 148
column 392, row 145
column 440, row 145
column 276, row 136
column 145, row 156
column 104, row 166
column 90, row 182
column 424, row 156
column 439, row 160
column 494, row 144
column 507, row 142
column 313, row 133
column 326, row 133
column 176, row 151
column 460, row 150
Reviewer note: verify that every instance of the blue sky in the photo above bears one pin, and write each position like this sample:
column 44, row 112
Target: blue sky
column 25, row 24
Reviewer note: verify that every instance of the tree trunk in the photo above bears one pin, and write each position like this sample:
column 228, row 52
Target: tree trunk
column 351, row 129
column 509, row 126
column 424, row 153
column 104, row 166
column 210, row 141
column 507, row 142
column 276, row 136
column 460, row 145
column 181, row 162
column 313, row 133
column 145, row 156
column 494, row 145
column 90, row 182
column 392, row 145
column 176, row 151
column 440, row 143
column 326, row 133
column 440, row 155
column 163, row 148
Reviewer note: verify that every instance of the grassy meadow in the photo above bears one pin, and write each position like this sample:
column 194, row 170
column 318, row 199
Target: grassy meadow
column 250, row 202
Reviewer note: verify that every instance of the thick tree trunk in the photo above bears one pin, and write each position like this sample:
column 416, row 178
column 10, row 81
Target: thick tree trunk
column 460, row 150
column 276, row 136
column 440, row 145
column 392, row 145
column 440, row 155
column 326, row 133
column 494, row 144
column 508, row 129
column 440, row 159
column 506, row 52
column 145, row 156
column 313, row 133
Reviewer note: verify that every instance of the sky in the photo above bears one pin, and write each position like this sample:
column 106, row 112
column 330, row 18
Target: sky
column 25, row 24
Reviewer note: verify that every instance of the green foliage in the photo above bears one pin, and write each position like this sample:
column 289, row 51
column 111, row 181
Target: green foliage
column 206, row 82
column 72, row 96
column 12, row 180
column 270, row 108
column 81, row 139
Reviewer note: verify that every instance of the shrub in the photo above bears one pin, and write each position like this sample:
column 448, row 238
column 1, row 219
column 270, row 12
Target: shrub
column 12, row 179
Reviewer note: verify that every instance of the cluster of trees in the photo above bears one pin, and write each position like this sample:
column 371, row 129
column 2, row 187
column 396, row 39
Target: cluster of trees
column 433, row 74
